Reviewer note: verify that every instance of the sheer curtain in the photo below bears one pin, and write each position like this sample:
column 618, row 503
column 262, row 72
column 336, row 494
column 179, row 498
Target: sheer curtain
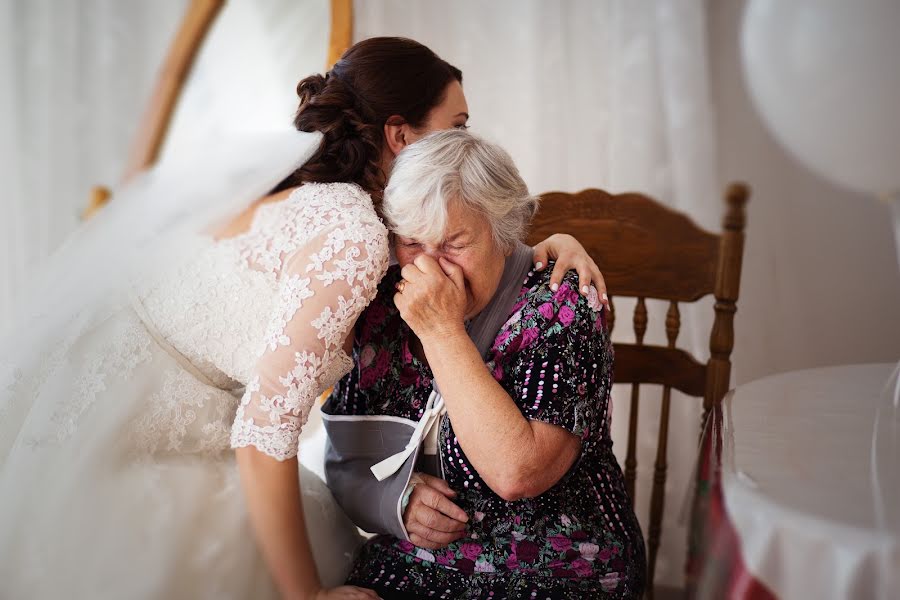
column 586, row 93
column 76, row 76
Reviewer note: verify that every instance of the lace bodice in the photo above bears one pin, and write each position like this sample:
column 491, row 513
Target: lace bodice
column 269, row 309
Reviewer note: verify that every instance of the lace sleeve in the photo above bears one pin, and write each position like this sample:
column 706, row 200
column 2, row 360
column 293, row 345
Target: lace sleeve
column 324, row 288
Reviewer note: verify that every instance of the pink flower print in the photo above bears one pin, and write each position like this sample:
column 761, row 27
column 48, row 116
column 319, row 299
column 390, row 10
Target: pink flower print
column 528, row 336
column 366, row 356
column 408, row 376
column 517, row 314
column 560, row 543
column 483, row 566
column 518, row 536
column 565, row 520
column 367, row 379
column 556, row 564
column 405, row 546
column 566, row 316
column 565, row 293
column 501, row 339
column 512, row 563
column 442, row 560
column 497, row 371
column 526, row 551
column 470, row 550
column 405, row 355
column 465, row 566
column 605, row 554
column 424, row 554
column 518, row 305
column 593, row 299
column 546, row 310
column 376, row 370
column 588, row 551
column 382, row 361
column 479, row 516
column 609, row 582
column 562, row 293
column 582, row 567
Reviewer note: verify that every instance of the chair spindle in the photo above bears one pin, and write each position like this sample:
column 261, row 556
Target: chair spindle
column 657, row 498
column 640, row 328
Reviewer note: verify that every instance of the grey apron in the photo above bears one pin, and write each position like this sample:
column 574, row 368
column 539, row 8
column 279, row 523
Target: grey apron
column 369, row 459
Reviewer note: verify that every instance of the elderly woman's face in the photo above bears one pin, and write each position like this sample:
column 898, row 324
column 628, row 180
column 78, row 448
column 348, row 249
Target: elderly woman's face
column 469, row 244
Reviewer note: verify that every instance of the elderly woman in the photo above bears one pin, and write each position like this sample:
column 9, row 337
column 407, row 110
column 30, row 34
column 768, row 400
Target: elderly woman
column 528, row 501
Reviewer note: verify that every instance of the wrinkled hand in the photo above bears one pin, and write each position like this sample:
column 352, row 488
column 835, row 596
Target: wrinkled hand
column 346, row 592
column 431, row 518
column 431, row 297
column 570, row 254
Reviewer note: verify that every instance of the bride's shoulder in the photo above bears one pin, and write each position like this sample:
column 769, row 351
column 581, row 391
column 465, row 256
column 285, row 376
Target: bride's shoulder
column 327, row 208
column 338, row 194
column 336, row 204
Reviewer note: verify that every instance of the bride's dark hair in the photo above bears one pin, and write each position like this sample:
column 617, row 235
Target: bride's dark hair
column 374, row 80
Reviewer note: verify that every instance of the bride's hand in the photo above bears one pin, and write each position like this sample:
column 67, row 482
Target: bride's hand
column 346, row 592
column 570, row 254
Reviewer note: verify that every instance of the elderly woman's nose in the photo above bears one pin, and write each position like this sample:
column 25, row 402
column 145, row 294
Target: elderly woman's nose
column 433, row 251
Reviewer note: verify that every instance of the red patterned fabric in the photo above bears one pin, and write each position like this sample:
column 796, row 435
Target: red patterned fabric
column 715, row 568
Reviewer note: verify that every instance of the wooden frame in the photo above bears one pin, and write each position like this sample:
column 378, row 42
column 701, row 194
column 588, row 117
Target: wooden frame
column 647, row 250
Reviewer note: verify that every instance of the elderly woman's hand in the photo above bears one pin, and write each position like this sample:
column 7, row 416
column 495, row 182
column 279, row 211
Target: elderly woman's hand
column 431, row 297
column 431, row 518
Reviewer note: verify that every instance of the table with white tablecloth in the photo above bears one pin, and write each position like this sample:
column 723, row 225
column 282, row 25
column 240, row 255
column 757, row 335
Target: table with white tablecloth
column 804, row 476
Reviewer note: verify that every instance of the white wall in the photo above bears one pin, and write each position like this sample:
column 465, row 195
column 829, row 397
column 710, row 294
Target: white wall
column 820, row 284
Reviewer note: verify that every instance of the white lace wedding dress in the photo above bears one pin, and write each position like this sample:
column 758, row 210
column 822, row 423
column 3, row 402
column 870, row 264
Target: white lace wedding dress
column 120, row 480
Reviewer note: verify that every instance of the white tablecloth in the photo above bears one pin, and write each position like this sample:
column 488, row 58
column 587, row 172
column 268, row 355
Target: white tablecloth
column 811, row 481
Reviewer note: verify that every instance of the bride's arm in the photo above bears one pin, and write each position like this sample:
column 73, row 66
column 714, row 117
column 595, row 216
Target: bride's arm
column 324, row 288
column 272, row 492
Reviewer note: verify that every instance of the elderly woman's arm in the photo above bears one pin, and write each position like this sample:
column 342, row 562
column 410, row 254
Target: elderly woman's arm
column 517, row 457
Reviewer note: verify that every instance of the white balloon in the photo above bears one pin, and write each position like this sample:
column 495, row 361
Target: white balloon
column 825, row 76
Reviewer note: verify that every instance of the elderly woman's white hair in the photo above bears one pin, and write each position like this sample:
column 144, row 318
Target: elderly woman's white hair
column 456, row 166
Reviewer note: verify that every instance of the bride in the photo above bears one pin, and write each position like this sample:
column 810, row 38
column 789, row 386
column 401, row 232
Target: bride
column 121, row 401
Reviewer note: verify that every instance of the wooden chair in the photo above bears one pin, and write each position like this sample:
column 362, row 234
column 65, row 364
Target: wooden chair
column 646, row 250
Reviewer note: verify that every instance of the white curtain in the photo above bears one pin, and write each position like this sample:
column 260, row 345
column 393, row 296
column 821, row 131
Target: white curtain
column 586, row 93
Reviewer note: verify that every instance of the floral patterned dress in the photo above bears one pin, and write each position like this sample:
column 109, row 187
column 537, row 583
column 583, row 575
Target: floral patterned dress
column 579, row 539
